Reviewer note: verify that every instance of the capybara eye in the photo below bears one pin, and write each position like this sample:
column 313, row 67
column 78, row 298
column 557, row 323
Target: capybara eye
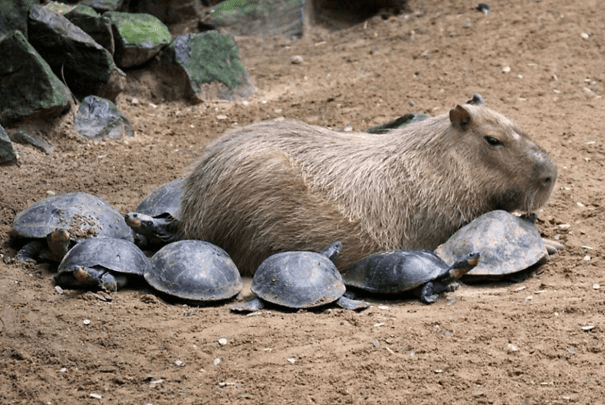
column 493, row 141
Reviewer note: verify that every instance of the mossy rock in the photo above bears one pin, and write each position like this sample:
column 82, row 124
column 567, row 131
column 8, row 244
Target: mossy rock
column 138, row 37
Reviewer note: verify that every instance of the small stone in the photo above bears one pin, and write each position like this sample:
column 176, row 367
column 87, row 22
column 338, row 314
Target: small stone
column 512, row 348
column 596, row 286
column 297, row 59
column 95, row 396
column 217, row 361
column 86, row 321
column 588, row 328
column 384, row 307
column 506, row 69
column 564, row 227
column 58, row 289
column 222, row 341
column 156, row 381
column 584, row 35
column 221, row 117
column 376, row 343
column 587, row 258
column 63, row 370
column 291, row 360
column 179, row 363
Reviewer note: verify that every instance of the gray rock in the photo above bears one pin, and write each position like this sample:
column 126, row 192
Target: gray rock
column 23, row 136
column 73, row 55
column 205, row 58
column 100, row 118
column 259, row 17
column 94, row 24
column 13, row 15
column 104, row 5
column 180, row 16
column 21, row 97
column 7, row 153
column 138, row 37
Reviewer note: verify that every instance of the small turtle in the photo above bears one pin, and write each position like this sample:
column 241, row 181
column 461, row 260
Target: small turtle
column 299, row 279
column 194, row 271
column 155, row 220
column 101, row 263
column 507, row 244
column 48, row 227
column 419, row 271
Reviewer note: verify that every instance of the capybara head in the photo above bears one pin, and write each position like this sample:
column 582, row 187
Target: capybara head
column 519, row 174
column 285, row 185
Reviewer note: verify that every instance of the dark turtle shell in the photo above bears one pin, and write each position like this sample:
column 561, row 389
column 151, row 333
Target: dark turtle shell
column 83, row 215
column 395, row 271
column 165, row 199
column 298, row 280
column 194, row 270
column 94, row 262
column 506, row 243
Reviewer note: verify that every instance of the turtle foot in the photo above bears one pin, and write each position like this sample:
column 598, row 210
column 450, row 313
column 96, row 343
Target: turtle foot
column 351, row 304
column 248, row 306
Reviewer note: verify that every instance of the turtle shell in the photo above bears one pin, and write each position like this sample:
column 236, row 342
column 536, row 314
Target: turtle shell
column 113, row 254
column 395, row 271
column 298, row 280
column 165, row 199
column 194, row 270
column 83, row 215
column 506, row 243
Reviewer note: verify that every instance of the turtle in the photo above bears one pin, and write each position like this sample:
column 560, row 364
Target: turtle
column 299, row 279
column 507, row 244
column 420, row 271
column 194, row 271
column 155, row 220
column 101, row 263
column 47, row 228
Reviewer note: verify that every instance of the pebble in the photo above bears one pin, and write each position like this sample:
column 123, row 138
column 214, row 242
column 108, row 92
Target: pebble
column 587, row 258
column 291, row 360
column 95, row 396
column 506, row 69
column 564, row 227
column 222, row 341
column 86, row 321
column 221, row 117
column 217, row 361
column 297, row 59
column 584, row 35
column 596, row 286
column 58, row 289
column 386, row 308
column 179, row 363
column 512, row 348
column 588, row 328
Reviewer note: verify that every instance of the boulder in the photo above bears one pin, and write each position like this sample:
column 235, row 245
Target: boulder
column 259, row 17
column 7, row 153
column 138, row 37
column 104, row 5
column 206, row 58
column 180, row 16
column 98, row 118
column 20, row 96
column 94, row 24
column 13, row 15
column 28, row 137
column 84, row 65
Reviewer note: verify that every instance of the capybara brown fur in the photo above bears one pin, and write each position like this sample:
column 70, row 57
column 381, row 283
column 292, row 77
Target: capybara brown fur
column 285, row 185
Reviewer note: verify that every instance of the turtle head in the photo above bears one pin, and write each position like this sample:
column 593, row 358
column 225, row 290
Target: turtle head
column 58, row 244
column 461, row 267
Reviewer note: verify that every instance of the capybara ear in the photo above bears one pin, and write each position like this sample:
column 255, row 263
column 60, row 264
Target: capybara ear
column 477, row 99
column 460, row 117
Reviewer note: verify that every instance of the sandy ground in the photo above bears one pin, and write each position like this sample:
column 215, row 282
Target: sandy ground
column 530, row 342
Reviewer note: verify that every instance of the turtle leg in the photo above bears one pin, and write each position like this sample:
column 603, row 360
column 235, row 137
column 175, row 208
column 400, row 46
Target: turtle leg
column 351, row 304
column 428, row 293
column 254, row 304
column 31, row 251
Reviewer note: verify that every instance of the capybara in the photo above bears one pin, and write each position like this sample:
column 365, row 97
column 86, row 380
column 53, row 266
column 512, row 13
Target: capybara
column 284, row 185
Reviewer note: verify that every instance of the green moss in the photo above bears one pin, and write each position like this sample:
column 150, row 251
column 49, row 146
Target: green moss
column 137, row 28
column 215, row 57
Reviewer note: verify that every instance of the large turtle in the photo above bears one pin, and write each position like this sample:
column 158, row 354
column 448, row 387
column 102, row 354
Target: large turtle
column 194, row 271
column 62, row 220
column 299, row 279
column 507, row 244
column 101, row 263
column 419, row 271
column 155, row 219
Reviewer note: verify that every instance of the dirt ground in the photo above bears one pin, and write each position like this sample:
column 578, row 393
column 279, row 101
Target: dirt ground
column 538, row 341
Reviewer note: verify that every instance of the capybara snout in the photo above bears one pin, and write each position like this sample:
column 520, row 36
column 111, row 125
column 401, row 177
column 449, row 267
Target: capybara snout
column 285, row 185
